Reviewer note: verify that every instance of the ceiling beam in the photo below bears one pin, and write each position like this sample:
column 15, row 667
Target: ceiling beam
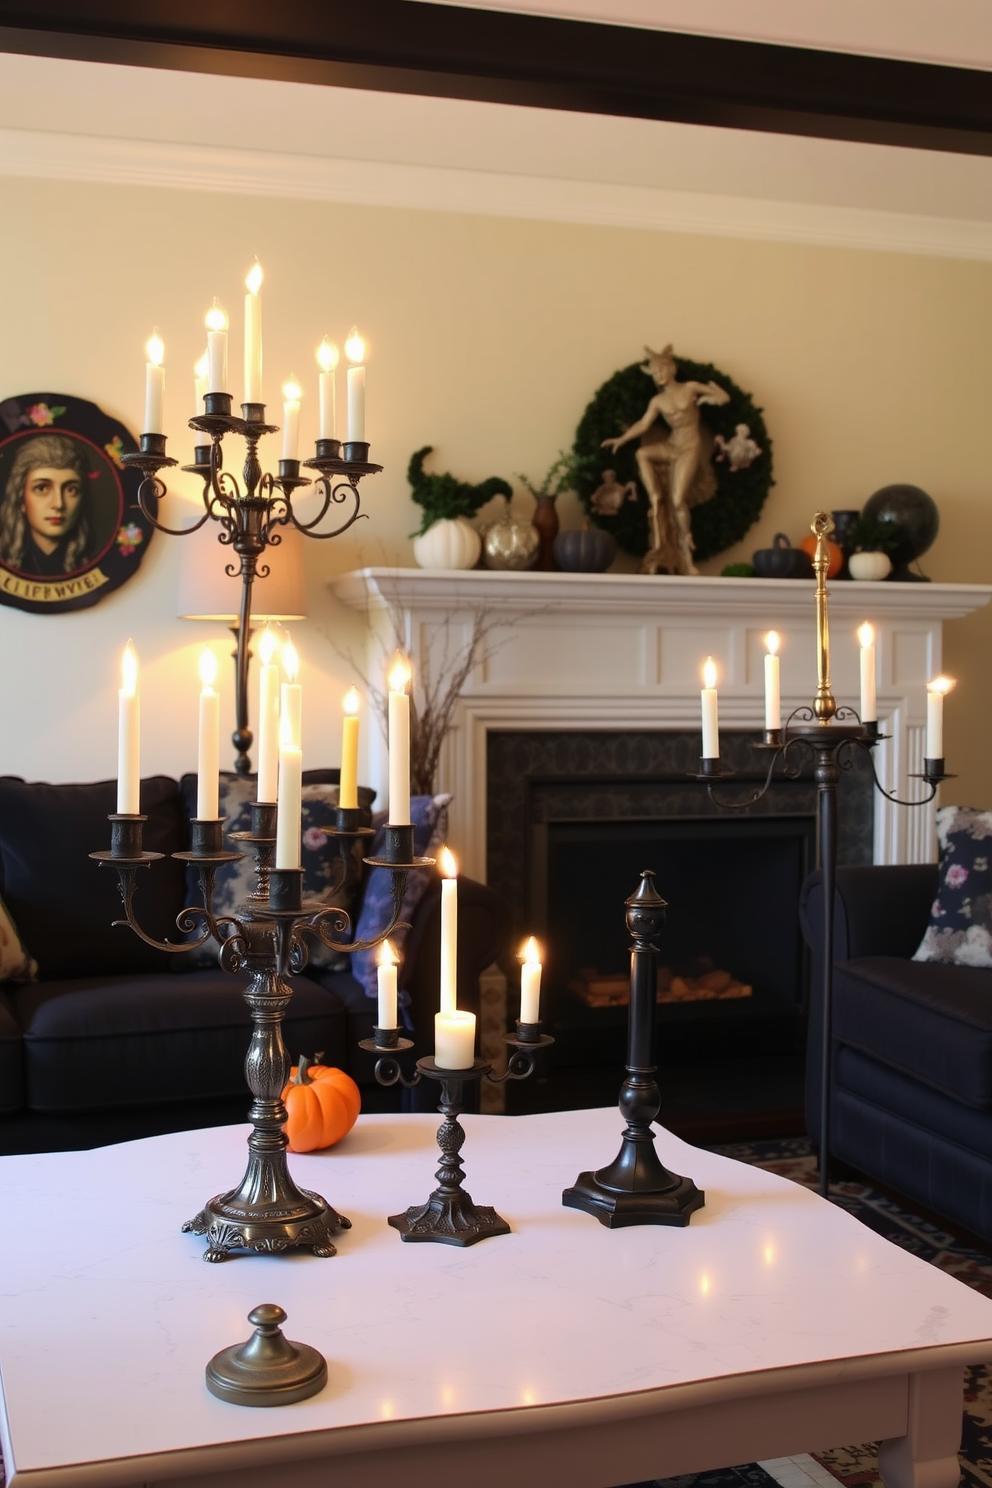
column 445, row 51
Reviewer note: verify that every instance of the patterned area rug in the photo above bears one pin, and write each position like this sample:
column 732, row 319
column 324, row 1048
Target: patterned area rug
column 857, row 1466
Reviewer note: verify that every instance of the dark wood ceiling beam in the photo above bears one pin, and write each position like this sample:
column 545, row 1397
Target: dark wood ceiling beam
column 439, row 50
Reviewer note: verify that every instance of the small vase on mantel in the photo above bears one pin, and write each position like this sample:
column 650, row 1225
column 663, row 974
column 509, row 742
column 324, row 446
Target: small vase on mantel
column 545, row 519
column 451, row 542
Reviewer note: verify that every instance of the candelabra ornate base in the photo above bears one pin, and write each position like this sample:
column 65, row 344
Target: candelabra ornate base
column 636, row 1188
column 450, row 1216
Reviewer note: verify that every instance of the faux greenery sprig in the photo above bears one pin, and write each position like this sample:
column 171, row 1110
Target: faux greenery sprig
column 443, row 497
column 560, row 477
column 871, row 535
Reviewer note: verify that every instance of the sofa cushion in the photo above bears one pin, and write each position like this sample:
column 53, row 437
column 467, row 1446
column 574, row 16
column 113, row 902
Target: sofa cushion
column 320, row 855
column 63, row 903
column 909, row 1100
column 125, row 1041
column 11, row 1058
column 960, row 928
column 928, row 1020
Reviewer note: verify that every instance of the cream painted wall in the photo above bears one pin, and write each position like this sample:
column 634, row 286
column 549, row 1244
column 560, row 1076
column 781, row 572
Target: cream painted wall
column 488, row 337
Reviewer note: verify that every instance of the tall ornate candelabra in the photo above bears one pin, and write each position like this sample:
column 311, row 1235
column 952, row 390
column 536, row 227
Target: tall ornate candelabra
column 829, row 735
column 267, row 937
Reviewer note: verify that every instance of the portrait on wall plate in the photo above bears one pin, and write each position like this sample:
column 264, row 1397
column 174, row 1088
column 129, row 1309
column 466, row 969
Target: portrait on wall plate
column 71, row 530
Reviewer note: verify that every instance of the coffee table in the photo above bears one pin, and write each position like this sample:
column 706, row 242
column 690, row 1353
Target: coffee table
column 563, row 1352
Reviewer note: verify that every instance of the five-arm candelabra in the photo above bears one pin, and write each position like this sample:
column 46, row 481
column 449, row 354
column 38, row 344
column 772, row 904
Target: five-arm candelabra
column 829, row 735
column 267, row 937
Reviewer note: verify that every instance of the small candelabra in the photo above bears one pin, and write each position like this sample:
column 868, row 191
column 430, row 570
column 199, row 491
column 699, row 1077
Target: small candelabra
column 828, row 735
column 449, row 1215
column 636, row 1188
column 267, row 937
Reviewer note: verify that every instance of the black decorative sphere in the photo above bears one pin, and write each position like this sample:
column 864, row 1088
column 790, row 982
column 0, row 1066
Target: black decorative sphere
column 914, row 515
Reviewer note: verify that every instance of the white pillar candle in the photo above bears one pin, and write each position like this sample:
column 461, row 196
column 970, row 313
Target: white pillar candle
column 454, row 1040
column 399, row 744
column 354, row 350
column 711, row 727
column 291, row 395
column 327, row 360
column 208, row 748
column 291, row 699
column 290, row 805
column 216, row 323
column 773, row 692
column 449, row 931
column 201, row 384
column 129, row 736
column 268, row 717
column 348, row 786
column 869, row 709
column 253, row 335
column 154, row 385
column 530, row 982
column 937, row 690
column 386, row 984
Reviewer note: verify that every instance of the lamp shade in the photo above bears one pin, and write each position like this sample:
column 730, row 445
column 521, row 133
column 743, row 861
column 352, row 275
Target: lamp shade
column 206, row 592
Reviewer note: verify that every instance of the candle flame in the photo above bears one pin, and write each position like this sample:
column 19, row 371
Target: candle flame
column 351, row 701
column 253, row 279
column 202, row 368
column 268, row 645
column 399, row 675
column 387, row 956
column 866, row 635
column 530, row 952
column 291, row 391
column 709, row 672
column 772, row 642
column 155, row 348
column 129, row 670
column 941, row 685
column 215, row 318
column 208, row 667
column 291, row 661
column 327, row 355
column 354, row 347
column 447, row 864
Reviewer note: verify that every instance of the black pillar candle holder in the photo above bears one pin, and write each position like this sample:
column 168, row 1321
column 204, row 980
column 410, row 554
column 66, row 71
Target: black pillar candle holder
column 636, row 1188
column 450, row 1216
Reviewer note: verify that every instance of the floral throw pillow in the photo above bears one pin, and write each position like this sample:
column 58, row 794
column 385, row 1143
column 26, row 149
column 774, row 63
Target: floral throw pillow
column 16, row 962
column 960, row 929
column 430, row 828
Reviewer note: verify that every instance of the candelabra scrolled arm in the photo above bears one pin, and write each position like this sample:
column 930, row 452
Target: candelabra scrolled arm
column 388, row 1071
column 755, row 795
column 932, row 781
column 335, row 493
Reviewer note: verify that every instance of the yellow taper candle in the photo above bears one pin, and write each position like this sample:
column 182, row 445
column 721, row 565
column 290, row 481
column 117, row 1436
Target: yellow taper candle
column 449, row 930
column 208, row 750
column 348, row 788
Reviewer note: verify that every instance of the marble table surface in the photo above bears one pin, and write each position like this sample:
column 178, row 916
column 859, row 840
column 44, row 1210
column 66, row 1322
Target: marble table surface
column 108, row 1314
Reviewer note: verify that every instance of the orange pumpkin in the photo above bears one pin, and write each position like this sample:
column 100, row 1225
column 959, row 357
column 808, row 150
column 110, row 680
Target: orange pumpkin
column 322, row 1105
column 834, row 554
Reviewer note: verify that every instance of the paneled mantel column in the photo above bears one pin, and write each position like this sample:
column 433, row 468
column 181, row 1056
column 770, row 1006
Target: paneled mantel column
column 623, row 651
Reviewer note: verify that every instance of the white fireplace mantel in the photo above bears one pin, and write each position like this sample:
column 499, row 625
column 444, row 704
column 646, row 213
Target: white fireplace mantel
column 624, row 651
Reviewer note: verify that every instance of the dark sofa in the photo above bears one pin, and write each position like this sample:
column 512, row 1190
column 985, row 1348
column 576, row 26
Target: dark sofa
column 912, row 1046
column 116, row 1039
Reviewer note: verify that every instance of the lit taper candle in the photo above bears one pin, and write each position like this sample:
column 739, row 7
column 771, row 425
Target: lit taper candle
column 530, row 982
column 291, row 395
column 216, row 323
column 268, row 716
column 386, row 986
column 711, row 727
column 399, row 744
column 253, row 335
column 129, row 735
column 937, row 690
column 201, row 384
column 449, row 930
column 869, row 709
column 354, row 350
column 208, row 750
column 154, row 385
column 348, row 787
column 773, row 687
column 290, row 800
column 327, row 361
column 291, row 699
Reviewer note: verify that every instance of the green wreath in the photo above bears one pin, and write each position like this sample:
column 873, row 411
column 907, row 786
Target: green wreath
column 740, row 494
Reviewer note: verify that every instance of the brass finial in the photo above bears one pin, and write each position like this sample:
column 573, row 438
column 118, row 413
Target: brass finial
column 824, row 704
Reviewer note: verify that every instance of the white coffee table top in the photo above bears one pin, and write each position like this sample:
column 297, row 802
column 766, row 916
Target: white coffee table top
column 108, row 1314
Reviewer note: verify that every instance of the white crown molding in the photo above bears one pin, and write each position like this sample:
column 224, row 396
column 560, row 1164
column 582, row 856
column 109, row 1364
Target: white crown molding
column 185, row 167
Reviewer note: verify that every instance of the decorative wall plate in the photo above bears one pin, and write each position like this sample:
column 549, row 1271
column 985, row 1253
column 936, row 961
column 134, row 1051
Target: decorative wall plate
column 71, row 531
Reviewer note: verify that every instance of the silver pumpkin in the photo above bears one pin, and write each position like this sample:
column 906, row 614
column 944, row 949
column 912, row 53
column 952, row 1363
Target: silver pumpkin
column 508, row 543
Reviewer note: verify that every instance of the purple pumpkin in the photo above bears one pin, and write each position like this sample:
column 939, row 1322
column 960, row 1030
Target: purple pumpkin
column 590, row 551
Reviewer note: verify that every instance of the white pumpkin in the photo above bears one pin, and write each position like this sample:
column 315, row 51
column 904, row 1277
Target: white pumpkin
column 448, row 543
column 869, row 565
